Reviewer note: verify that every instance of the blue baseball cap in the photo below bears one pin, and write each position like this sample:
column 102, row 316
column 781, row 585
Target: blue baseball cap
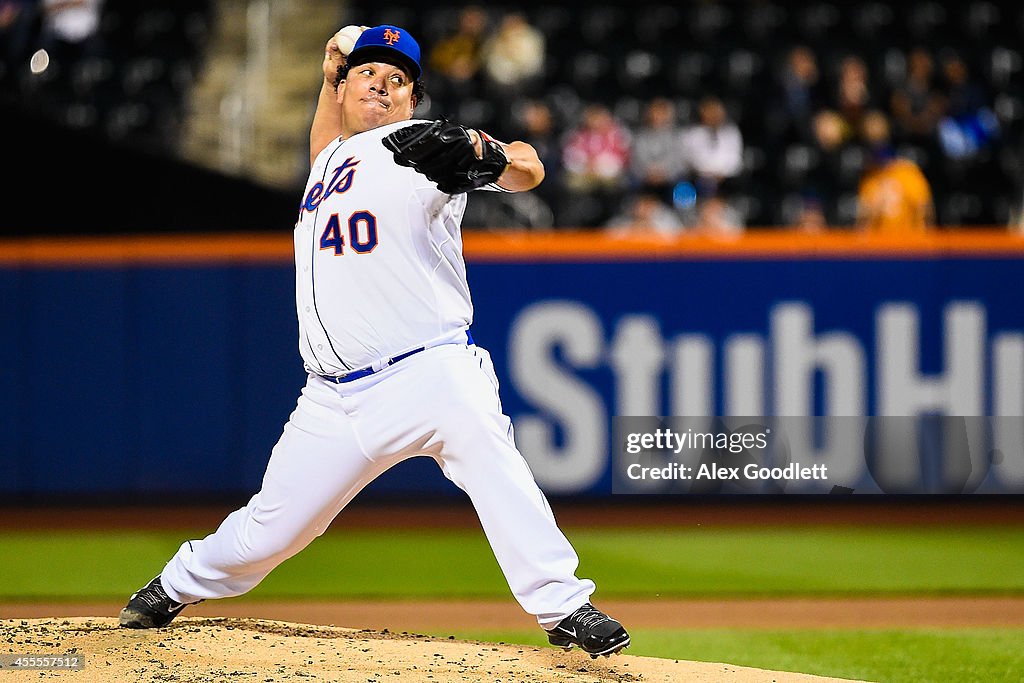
column 387, row 41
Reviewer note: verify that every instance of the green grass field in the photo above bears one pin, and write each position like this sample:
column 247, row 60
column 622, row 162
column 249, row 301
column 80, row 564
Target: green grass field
column 628, row 564
column 638, row 564
column 897, row 656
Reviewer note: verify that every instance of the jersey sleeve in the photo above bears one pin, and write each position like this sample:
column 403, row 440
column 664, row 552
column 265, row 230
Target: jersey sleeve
column 494, row 187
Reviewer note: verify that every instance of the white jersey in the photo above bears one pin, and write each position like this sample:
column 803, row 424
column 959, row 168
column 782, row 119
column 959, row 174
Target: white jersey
column 378, row 258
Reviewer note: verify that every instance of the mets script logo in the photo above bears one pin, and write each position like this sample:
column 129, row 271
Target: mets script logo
column 340, row 182
column 391, row 36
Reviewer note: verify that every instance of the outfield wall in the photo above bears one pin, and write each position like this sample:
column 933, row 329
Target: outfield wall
column 158, row 365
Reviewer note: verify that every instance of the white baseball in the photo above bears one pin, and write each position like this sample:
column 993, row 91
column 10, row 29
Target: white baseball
column 346, row 38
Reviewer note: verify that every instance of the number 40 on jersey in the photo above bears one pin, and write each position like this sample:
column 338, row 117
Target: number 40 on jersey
column 362, row 233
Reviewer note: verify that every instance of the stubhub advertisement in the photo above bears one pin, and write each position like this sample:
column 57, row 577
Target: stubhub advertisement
column 150, row 379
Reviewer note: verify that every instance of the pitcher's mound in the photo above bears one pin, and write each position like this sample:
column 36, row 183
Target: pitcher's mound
column 242, row 650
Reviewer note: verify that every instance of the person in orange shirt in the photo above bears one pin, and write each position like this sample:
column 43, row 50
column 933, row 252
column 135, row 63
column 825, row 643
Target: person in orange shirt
column 894, row 195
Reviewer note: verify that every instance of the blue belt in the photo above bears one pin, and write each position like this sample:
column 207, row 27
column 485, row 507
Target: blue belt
column 366, row 372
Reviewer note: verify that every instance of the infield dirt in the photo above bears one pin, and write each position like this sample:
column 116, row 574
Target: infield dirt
column 242, row 650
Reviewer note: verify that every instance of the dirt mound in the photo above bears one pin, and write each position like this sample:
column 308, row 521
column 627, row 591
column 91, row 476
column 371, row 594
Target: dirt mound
column 242, row 650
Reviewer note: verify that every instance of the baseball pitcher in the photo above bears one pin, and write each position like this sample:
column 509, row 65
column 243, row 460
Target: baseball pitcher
column 384, row 316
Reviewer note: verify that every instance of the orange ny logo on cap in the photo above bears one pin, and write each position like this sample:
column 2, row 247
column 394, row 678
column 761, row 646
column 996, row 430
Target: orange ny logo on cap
column 391, row 36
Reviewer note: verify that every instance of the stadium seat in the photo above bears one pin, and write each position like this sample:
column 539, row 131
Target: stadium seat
column 689, row 71
column 600, row 26
column 441, row 22
column 790, row 208
column 196, row 29
column 686, row 113
column 872, row 22
column 589, row 71
column 798, row 160
column 817, row 20
column 552, row 21
column 763, row 22
column 748, row 206
column 80, row 115
column 962, row 208
column 657, row 27
column 476, row 112
column 1004, row 66
column 1003, row 210
column 629, row 110
column 894, row 67
column 126, row 119
column 639, row 72
column 754, row 159
column 851, row 165
column 742, row 69
column 1010, row 109
column 926, row 20
column 399, row 15
column 140, row 74
column 708, row 22
column 846, row 208
column 91, row 73
column 565, row 102
column 980, row 18
column 182, row 76
column 916, row 154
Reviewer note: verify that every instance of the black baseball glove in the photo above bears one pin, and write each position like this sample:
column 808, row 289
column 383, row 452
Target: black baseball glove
column 443, row 151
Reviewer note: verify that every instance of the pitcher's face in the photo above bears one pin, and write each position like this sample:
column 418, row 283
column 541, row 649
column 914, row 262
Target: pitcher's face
column 373, row 95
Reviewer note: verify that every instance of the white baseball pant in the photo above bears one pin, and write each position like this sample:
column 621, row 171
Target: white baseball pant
column 442, row 402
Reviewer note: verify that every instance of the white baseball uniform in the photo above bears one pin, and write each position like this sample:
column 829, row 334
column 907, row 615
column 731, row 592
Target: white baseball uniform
column 382, row 297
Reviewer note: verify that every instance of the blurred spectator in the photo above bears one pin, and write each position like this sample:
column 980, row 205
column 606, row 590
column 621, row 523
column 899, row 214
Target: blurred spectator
column 455, row 61
column 832, row 178
column 917, row 103
column 802, row 127
column 72, row 21
column 830, row 130
column 836, row 126
column 894, row 195
column 10, row 11
column 596, row 153
column 853, row 93
column 969, row 125
column 657, row 155
column 70, row 31
column 513, row 58
column 799, row 96
column 536, row 125
column 595, row 158
column 811, row 218
column 972, row 170
column 715, row 216
column 713, row 149
column 458, row 57
column 645, row 214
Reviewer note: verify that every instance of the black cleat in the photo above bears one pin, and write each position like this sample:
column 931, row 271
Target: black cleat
column 150, row 607
column 594, row 631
